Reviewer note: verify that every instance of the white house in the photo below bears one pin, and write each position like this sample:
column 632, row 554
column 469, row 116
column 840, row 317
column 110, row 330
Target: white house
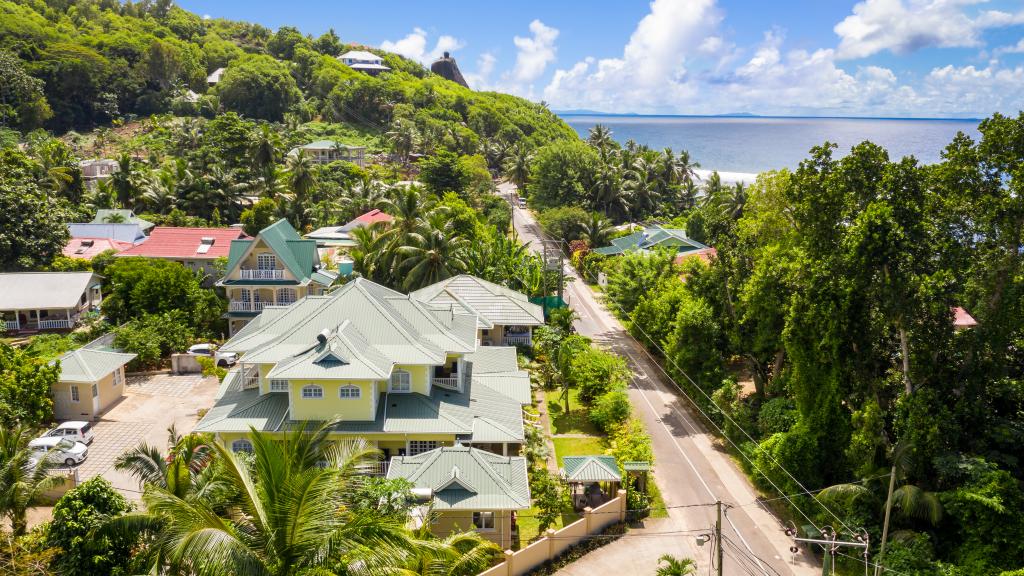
column 327, row 151
column 364, row 61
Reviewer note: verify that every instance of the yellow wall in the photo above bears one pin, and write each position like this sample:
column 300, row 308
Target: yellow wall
column 257, row 247
column 108, row 394
column 392, row 441
column 331, row 405
column 419, row 375
column 448, row 521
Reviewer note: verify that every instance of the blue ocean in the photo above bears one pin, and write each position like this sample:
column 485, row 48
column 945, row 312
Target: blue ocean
column 755, row 144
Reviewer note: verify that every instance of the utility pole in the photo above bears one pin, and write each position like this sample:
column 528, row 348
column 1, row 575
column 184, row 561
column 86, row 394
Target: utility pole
column 829, row 541
column 718, row 536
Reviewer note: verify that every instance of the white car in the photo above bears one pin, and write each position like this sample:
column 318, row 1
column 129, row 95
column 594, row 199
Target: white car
column 223, row 359
column 77, row 430
column 58, row 450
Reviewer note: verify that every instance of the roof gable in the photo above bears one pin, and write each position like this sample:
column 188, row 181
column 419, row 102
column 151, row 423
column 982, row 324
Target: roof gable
column 462, row 477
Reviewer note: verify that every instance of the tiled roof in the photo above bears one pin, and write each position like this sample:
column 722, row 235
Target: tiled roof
column 371, row 217
column 41, row 290
column 961, row 319
column 172, row 242
column 590, row 469
column 90, row 365
column 88, row 248
column 464, row 478
column 493, row 304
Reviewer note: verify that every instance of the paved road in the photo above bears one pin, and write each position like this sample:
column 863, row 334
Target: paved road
column 691, row 468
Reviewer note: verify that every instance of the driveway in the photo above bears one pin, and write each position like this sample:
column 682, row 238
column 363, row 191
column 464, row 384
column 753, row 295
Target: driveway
column 151, row 404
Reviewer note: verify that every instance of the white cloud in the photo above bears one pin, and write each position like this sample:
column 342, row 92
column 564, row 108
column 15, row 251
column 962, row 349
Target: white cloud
column 481, row 77
column 1017, row 48
column 534, row 52
column 414, row 46
column 651, row 74
column 901, row 28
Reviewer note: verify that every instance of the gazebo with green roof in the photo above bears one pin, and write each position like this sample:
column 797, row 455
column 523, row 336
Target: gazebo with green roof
column 592, row 479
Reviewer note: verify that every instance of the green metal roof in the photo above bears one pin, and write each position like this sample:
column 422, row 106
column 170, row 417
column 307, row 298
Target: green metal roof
column 494, row 304
column 590, row 469
column 651, row 237
column 464, row 478
column 90, row 365
column 298, row 255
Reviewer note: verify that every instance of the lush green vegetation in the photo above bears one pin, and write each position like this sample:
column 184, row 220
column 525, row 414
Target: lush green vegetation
column 825, row 330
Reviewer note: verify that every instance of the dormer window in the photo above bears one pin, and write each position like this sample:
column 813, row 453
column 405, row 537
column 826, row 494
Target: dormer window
column 349, row 392
column 266, row 261
column 312, row 392
column 401, row 381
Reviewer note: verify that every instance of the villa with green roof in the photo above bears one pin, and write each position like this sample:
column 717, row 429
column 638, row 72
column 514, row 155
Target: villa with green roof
column 403, row 374
column 276, row 268
column 468, row 489
column 653, row 237
column 327, row 151
column 504, row 317
column 91, row 381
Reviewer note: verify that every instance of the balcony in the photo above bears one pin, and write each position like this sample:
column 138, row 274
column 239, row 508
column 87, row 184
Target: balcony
column 379, row 468
column 250, row 377
column 54, row 324
column 261, row 274
column 517, row 340
column 244, row 306
column 451, row 383
column 11, row 325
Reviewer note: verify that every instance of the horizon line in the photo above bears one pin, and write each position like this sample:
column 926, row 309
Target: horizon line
column 768, row 116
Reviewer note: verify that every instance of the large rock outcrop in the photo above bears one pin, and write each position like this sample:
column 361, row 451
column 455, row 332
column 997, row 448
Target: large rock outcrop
column 446, row 67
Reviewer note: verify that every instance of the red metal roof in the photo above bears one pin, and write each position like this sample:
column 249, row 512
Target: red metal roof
column 173, row 242
column 81, row 248
column 374, row 216
column 961, row 319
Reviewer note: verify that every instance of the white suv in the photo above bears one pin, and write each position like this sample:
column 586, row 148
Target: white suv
column 222, row 359
column 77, row 430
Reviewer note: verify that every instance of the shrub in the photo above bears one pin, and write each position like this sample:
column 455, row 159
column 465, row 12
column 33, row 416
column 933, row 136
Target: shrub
column 153, row 337
column 630, row 442
column 549, row 495
column 596, row 372
column 210, row 368
column 776, row 415
column 563, row 223
column 610, row 410
column 25, row 387
column 85, row 552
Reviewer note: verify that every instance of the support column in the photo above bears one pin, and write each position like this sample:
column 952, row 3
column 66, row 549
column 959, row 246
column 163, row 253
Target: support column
column 504, row 448
column 38, row 320
column 67, row 314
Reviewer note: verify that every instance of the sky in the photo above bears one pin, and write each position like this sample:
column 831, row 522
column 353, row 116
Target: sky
column 882, row 58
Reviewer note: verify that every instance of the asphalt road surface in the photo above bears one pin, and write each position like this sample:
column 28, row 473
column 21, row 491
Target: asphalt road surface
column 691, row 469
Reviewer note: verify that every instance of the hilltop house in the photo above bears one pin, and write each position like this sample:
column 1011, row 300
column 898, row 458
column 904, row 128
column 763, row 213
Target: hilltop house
column 363, row 61
column 195, row 248
column 400, row 373
column 654, row 237
column 31, row 301
column 275, row 268
column 98, row 169
column 91, row 380
column 468, row 488
column 214, row 78
column 504, row 317
column 327, row 151
column 121, row 216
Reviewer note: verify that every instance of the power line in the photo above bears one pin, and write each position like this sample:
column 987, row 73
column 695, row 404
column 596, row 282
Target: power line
column 808, row 492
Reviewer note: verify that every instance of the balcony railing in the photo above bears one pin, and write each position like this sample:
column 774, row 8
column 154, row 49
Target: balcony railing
column 243, row 306
column 517, row 340
column 262, row 274
column 250, row 378
column 11, row 325
column 379, row 468
column 54, row 324
column 451, row 383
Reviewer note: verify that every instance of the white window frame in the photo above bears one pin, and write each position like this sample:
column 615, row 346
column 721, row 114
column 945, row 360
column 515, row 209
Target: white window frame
column 242, row 445
column 315, row 392
column 353, row 392
column 482, row 518
column 286, row 296
column 401, row 375
column 415, row 447
column 266, row 261
column 278, row 385
column 74, row 393
column 95, row 390
column 117, row 377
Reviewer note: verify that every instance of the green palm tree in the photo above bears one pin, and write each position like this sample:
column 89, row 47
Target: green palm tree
column 735, row 199
column 127, row 181
column 285, row 514
column 368, row 255
column 300, row 175
column 159, row 192
column 266, row 153
column 23, row 478
column 517, row 166
column 458, row 554
column 669, row 565
column 712, row 191
column 433, row 254
column 185, row 468
column 641, row 186
column 597, row 230
column 403, row 138
column 600, row 137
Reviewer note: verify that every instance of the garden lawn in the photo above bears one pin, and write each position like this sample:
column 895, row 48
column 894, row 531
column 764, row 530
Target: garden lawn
column 578, row 447
column 577, row 421
column 529, row 525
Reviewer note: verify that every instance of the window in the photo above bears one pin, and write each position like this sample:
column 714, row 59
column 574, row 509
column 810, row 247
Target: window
column 312, row 391
column 401, row 381
column 74, row 393
column 421, row 446
column 95, row 390
column 483, row 520
column 277, row 385
column 241, row 445
column 117, row 377
column 266, row 261
column 349, row 392
column 286, row 296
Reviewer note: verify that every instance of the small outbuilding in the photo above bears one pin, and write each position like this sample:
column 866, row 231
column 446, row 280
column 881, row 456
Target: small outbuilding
column 91, row 381
column 592, row 480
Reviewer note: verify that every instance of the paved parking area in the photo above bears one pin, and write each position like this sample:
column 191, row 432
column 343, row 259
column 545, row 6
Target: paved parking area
column 151, row 405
